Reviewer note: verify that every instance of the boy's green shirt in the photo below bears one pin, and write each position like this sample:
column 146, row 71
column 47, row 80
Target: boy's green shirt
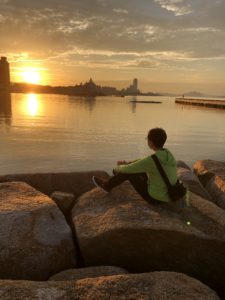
column 156, row 185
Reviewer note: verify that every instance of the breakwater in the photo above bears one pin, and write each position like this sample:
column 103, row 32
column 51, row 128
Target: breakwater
column 81, row 232
column 201, row 102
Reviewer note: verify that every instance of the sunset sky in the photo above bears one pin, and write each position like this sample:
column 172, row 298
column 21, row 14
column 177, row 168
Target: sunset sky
column 169, row 45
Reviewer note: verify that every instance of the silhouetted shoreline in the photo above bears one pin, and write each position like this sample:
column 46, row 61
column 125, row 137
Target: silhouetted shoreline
column 86, row 89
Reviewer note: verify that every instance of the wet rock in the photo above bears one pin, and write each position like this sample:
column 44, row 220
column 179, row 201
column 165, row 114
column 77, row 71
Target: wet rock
column 121, row 229
column 157, row 285
column 91, row 272
column 35, row 240
column 211, row 173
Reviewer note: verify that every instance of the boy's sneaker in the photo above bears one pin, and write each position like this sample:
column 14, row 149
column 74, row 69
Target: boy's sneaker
column 100, row 183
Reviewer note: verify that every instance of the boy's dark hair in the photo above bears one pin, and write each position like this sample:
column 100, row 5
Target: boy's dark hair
column 158, row 136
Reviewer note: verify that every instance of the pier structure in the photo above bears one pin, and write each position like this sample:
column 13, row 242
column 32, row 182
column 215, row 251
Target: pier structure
column 4, row 74
column 201, row 102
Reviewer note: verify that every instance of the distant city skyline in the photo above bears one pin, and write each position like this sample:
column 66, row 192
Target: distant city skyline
column 173, row 46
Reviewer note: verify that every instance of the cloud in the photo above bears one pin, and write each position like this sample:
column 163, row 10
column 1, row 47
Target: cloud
column 120, row 11
column 92, row 25
column 176, row 6
column 114, row 34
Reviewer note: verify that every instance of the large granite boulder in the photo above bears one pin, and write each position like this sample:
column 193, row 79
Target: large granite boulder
column 211, row 173
column 148, row 286
column 35, row 240
column 182, row 164
column 64, row 201
column 90, row 272
column 192, row 182
column 76, row 183
column 121, row 229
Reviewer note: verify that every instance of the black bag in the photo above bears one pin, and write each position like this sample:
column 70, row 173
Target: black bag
column 177, row 191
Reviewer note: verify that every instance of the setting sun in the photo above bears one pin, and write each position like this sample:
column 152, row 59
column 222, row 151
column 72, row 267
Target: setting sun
column 31, row 76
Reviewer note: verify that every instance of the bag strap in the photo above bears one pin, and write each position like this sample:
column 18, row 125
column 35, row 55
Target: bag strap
column 161, row 171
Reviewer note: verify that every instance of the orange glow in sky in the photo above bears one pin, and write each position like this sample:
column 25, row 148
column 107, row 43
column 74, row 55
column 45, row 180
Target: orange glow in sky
column 171, row 46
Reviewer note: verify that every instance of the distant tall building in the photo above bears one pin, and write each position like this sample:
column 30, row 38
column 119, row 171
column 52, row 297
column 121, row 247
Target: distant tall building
column 4, row 74
column 133, row 88
column 135, row 83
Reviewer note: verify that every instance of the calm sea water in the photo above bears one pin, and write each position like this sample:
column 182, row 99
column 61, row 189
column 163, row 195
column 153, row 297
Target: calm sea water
column 52, row 133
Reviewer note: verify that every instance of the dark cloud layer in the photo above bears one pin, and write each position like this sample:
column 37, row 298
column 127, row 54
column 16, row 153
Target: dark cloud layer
column 159, row 25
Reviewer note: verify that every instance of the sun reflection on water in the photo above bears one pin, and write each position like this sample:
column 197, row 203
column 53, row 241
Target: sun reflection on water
column 32, row 105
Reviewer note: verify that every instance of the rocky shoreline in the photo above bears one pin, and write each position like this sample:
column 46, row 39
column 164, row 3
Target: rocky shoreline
column 62, row 238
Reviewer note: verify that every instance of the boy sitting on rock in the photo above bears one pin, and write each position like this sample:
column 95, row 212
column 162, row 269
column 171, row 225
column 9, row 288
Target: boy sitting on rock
column 143, row 173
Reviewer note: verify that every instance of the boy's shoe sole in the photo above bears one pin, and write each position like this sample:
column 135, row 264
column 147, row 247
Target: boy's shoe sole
column 97, row 182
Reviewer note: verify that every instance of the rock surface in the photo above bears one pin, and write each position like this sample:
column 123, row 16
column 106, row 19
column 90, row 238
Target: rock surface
column 121, row 229
column 64, row 201
column 152, row 286
column 192, row 182
column 182, row 164
column 76, row 183
column 91, row 272
column 212, row 175
column 35, row 240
